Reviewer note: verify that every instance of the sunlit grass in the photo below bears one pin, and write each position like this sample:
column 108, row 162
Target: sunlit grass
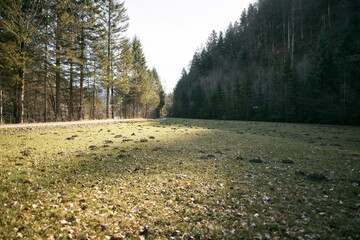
column 180, row 179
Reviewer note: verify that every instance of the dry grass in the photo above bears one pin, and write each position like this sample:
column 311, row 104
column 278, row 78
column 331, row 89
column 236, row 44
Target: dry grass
column 180, row 179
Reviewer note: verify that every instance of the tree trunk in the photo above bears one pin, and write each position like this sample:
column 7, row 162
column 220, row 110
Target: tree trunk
column 107, row 102
column 284, row 34
column 94, row 89
column 301, row 20
column 71, row 103
column 89, row 98
column 20, row 103
column 81, row 108
column 34, row 111
column 52, row 99
column 125, row 111
column 82, row 59
column 112, row 103
column 286, row 99
column 288, row 33
column 57, row 73
column 329, row 14
column 45, row 81
column 344, row 95
column 46, row 67
column 109, row 64
column 133, row 111
column 293, row 33
column 93, row 104
column 13, row 117
column 1, row 103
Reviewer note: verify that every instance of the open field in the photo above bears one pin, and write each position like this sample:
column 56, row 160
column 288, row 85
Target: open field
column 180, row 179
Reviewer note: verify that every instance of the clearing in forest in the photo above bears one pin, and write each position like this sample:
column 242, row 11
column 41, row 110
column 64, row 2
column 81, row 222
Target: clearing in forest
column 180, row 179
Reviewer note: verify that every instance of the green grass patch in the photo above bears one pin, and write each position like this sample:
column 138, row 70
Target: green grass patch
column 180, row 179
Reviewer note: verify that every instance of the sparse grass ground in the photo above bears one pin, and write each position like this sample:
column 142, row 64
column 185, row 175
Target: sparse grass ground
column 180, row 179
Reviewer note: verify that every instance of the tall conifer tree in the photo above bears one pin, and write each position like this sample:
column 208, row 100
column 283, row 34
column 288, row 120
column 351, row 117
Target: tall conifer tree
column 17, row 18
column 115, row 22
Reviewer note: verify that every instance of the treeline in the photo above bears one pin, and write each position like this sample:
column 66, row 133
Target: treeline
column 70, row 59
column 283, row 60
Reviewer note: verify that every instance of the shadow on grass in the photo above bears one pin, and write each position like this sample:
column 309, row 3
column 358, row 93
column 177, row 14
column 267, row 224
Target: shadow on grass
column 183, row 178
column 333, row 136
column 179, row 178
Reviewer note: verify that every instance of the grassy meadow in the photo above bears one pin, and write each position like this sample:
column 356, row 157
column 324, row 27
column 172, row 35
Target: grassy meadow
column 180, row 179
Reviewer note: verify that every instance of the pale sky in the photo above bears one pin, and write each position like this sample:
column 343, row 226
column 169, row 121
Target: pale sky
column 172, row 30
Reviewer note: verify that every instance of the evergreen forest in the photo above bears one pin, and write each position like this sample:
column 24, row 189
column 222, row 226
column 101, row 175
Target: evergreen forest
column 70, row 60
column 283, row 60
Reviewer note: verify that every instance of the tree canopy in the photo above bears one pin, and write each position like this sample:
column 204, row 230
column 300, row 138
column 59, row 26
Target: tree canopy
column 65, row 60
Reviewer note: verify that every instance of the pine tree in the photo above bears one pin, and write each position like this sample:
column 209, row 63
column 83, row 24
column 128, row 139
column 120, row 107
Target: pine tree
column 45, row 40
column 1, row 101
column 140, row 75
column 246, row 94
column 237, row 99
column 70, row 40
column 17, row 18
column 322, row 82
column 161, row 104
column 288, row 86
column 158, row 96
column 125, row 73
column 149, row 92
column 197, row 99
column 97, row 54
column 85, row 21
column 63, row 46
column 115, row 22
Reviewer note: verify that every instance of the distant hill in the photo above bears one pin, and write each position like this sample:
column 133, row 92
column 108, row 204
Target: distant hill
column 283, row 60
